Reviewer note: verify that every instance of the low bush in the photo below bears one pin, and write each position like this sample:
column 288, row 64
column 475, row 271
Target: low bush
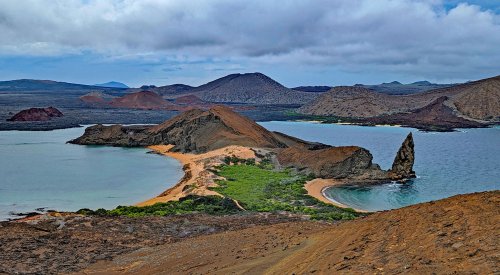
column 190, row 204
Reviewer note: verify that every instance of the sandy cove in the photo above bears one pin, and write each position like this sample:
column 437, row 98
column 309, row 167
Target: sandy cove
column 197, row 178
column 316, row 187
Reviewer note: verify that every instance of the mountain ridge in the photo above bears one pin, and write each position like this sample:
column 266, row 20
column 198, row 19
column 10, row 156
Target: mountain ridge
column 112, row 84
column 476, row 101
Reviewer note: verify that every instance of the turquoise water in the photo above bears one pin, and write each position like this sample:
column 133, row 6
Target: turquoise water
column 39, row 170
column 446, row 164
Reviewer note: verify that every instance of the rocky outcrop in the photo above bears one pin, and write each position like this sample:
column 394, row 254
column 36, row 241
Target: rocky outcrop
column 199, row 131
column 333, row 162
column 402, row 167
column 115, row 135
column 36, row 114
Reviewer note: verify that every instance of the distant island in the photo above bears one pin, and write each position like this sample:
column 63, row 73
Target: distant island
column 422, row 105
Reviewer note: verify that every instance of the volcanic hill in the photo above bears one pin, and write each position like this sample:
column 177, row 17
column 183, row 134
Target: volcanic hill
column 140, row 100
column 248, row 88
column 36, row 114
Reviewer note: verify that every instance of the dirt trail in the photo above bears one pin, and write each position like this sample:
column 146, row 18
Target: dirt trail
column 459, row 234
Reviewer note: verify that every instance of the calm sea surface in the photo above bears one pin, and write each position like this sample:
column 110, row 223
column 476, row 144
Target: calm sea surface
column 39, row 170
column 446, row 163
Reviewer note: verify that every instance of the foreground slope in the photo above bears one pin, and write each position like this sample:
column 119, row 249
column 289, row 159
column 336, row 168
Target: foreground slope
column 454, row 235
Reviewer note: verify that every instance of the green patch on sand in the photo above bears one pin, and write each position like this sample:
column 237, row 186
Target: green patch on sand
column 261, row 189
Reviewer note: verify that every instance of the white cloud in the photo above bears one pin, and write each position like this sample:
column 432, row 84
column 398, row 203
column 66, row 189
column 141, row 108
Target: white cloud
column 419, row 37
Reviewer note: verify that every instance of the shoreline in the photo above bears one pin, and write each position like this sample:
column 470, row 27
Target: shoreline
column 316, row 187
column 197, row 176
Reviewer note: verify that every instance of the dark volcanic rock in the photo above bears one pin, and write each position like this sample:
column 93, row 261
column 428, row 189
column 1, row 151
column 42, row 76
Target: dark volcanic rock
column 114, row 135
column 36, row 114
column 402, row 167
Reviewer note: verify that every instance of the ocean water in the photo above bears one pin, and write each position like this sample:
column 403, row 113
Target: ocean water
column 39, row 170
column 446, row 164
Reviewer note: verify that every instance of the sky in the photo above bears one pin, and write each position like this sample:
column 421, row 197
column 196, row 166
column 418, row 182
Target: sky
column 295, row 42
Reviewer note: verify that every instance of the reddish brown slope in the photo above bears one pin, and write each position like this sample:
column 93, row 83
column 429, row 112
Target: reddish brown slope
column 141, row 100
column 455, row 235
column 201, row 131
column 189, row 100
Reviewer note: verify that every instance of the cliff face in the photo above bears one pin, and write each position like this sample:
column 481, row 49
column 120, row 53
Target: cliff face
column 36, row 114
column 332, row 162
column 402, row 167
column 199, row 131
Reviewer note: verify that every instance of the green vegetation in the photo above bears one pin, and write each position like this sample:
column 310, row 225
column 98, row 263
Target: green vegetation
column 257, row 188
column 324, row 119
column 260, row 189
column 189, row 204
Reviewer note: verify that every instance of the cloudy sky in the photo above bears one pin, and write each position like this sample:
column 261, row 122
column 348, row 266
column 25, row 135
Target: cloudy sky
column 296, row 42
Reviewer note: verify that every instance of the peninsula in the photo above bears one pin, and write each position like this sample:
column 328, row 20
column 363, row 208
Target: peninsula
column 203, row 139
